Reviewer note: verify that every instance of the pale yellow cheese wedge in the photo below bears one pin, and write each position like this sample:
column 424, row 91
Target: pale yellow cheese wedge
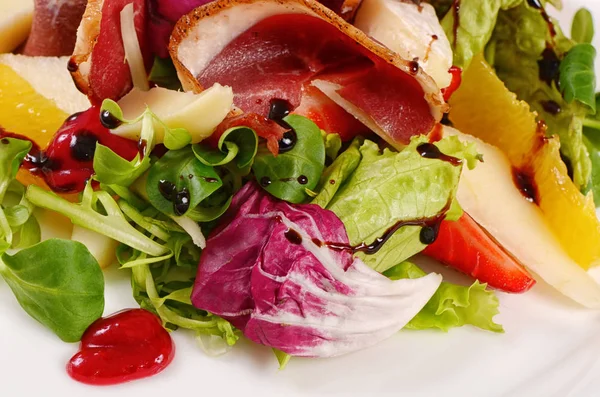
column 200, row 114
column 15, row 23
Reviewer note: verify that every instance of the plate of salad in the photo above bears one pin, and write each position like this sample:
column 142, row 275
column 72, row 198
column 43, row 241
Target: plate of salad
column 294, row 197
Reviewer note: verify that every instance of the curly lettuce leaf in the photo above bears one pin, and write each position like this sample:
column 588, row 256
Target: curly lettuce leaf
column 469, row 27
column 390, row 187
column 452, row 305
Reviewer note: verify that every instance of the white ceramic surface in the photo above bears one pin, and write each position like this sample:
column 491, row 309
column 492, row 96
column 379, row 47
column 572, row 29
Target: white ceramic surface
column 551, row 348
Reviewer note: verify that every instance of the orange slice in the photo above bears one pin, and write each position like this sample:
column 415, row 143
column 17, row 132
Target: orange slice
column 485, row 108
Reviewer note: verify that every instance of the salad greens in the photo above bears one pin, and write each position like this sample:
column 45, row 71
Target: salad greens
column 178, row 182
column 289, row 175
column 582, row 30
column 383, row 191
column 577, row 76
column 451, row 305
column 535, row 60
column 66, row 299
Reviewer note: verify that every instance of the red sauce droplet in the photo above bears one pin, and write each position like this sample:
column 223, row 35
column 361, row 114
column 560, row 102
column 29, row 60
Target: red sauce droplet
column 126, row 346
column 456, row 73
column 437, row 133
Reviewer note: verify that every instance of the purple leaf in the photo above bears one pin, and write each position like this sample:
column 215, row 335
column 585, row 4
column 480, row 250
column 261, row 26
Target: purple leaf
column 267, row 271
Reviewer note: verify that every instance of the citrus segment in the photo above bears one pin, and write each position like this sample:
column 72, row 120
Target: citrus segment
column 25, row 112
column 485, row 108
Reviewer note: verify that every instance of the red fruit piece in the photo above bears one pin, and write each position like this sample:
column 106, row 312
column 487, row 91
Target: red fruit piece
column 466, row 247
column 126, row 346
column 67, row 163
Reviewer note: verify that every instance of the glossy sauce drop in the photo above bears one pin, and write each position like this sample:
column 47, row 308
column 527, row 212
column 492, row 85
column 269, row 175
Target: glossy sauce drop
column 278, row 110
column 430, row 151
column 549, row 66
column 526, row 185
column 181, row 202
column 293, row 237
column 167, row 189
column 126, row 346
column 552, row 107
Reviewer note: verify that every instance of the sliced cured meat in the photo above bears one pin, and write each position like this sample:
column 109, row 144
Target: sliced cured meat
column 97, row 64
column 53, row 28
column 267, row 49
column 328, row 115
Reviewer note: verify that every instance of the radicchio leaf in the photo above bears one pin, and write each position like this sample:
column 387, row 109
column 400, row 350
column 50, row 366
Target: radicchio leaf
column 266, row 270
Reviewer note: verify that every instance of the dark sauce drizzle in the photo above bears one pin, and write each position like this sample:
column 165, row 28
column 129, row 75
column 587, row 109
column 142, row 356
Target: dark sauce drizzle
column 456, row 11
column 429, row 232
column 538, row 6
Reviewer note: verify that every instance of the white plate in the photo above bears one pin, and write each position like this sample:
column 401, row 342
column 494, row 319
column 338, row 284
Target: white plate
column 551, row 348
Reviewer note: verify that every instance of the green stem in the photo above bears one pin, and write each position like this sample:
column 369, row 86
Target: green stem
column 591, row 123
column 113, row 226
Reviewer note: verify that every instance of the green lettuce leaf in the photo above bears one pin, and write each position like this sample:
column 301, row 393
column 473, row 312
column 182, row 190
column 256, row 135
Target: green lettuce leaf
column 470, row 29
column 390, row 187
column 577, row 76
column 451, row 305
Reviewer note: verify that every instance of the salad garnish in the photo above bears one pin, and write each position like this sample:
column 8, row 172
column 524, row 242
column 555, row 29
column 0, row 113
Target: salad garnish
column 271, row 170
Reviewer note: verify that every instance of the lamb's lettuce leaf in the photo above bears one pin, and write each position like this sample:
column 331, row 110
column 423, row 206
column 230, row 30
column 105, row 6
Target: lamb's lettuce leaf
column 390, row 187
column 290, row 174
column 577, row 76
column 452, row 305
column 582, row 30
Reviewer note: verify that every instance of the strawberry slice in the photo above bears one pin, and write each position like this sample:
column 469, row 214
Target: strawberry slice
column 466, row 247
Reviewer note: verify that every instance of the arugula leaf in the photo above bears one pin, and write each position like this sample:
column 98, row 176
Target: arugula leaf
column 451, row 305
column 577, row 76
column 180, row 172
column 383, row 191
column 582, row 30
column 288, row 175
column 239, row 143
column 58, row 283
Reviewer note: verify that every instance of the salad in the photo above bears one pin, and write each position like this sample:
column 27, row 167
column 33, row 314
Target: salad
column 274, row 169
